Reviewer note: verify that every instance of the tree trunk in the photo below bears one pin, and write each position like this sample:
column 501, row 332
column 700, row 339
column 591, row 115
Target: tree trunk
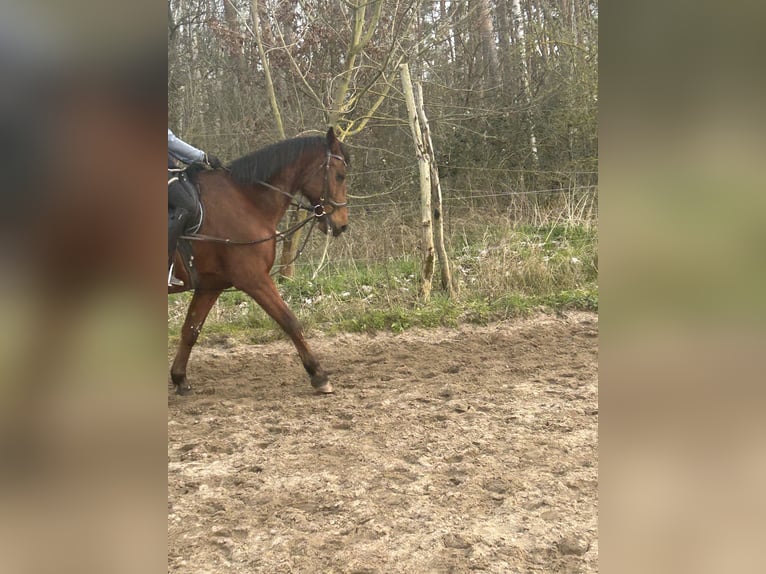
column 504, row 44
column 525, row 82
column 487, row 35
column 425, row 184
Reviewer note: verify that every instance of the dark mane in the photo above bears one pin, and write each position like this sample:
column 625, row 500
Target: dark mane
column 263, row 164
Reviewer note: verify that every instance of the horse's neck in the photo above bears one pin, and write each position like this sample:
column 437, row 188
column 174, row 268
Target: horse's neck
column 283, row 190
column 290, row 180
column 273, row 197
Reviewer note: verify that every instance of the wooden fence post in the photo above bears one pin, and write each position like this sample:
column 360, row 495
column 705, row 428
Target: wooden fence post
column 425, row 183
column 436, row 193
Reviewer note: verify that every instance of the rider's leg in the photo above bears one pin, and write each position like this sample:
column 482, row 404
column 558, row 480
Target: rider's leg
column 178, row 217
column 177, row 220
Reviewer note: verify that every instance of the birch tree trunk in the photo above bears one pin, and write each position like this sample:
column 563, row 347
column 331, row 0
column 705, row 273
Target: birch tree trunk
column 425, row 183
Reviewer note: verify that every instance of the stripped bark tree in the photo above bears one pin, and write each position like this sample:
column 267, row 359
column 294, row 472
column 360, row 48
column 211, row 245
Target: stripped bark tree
column 436, row 196
column 425, row 183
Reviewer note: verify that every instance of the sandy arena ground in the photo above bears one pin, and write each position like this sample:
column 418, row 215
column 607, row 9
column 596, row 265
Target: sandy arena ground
column 446, row 450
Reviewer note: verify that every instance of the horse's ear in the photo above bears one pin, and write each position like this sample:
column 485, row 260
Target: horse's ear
column 331, row 137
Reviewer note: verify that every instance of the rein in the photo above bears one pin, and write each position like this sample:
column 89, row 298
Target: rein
column 278, row 236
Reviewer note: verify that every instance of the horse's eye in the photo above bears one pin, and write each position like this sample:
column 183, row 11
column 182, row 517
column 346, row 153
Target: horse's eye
column 339, row 177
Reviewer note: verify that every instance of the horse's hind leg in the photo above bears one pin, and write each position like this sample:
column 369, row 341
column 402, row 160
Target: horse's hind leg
column 267, row 296
column 200, row 306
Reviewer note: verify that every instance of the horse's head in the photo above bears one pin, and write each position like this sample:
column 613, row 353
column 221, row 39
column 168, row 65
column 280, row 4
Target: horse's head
column 326, row 188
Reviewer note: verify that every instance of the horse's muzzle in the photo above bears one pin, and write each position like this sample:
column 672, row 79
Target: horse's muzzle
column 327, row 224
column 327, row 229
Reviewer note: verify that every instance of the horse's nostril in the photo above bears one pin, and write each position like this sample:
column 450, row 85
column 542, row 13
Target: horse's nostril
column 343, row 228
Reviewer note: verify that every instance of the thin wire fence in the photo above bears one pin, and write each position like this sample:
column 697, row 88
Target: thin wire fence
column 390, row 232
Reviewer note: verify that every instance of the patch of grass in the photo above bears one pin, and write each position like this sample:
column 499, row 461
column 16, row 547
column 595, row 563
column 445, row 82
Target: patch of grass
column 439, row 311
column 502, row 271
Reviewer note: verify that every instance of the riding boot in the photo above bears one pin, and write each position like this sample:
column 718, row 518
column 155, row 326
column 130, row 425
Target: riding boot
column 177, row 220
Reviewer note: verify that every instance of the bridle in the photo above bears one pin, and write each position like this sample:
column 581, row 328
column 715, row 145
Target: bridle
column 318, row 209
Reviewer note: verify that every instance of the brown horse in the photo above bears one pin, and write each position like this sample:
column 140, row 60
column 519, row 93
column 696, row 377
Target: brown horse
column 236, row 244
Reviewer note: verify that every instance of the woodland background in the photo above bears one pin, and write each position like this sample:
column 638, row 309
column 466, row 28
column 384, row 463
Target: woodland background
column 511, row 93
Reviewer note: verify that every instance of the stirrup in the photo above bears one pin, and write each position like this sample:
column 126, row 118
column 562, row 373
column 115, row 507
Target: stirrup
column 172, row 280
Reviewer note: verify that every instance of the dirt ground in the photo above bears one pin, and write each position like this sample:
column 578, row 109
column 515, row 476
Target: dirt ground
column 448, row 450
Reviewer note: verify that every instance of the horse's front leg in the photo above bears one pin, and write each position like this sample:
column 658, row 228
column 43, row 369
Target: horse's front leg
column 267, row 296
column 200, row 306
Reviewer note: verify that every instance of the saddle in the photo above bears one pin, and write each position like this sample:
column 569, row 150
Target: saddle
column 183, row 195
